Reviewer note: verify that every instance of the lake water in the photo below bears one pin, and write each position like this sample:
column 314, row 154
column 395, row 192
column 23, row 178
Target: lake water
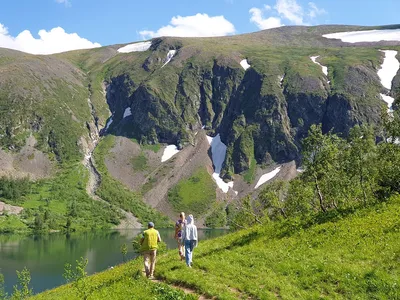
column 45, row 256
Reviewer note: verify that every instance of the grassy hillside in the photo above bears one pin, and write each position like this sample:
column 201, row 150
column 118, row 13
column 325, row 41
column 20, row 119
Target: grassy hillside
column 342, row 255
column 49, row 203
column 195, row 194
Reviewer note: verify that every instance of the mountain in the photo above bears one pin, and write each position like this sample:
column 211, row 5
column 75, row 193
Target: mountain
column 256, row 93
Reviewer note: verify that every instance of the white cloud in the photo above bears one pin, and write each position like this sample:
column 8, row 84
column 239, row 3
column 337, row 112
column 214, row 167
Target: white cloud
column 258, row 19
column 288, row 10
column 54, row 41
column 66, row 2
column 200, row 25
column 314, row 11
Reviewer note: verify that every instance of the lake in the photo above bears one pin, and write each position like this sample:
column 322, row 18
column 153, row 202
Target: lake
column 46, row 255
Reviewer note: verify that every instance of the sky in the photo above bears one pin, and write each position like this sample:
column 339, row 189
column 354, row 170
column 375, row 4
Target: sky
column 51, row 26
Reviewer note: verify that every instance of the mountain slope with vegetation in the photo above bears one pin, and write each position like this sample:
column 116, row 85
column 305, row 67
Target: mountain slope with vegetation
column 55, row 109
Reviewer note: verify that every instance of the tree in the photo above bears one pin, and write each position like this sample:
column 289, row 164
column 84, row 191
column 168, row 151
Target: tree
column 22, row 290
column 300, row 196
column 389, row 154
column 243, row 214
column 360, row 161
column 77, row 277
column 272, row 199
column 320, row 157
column 124, row 251
column 3, row 294
column 38, row 223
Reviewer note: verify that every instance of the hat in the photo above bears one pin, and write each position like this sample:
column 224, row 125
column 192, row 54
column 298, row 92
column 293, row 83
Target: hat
column 150, row 224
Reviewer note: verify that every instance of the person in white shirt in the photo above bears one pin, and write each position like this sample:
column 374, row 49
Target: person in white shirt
column 189, row 238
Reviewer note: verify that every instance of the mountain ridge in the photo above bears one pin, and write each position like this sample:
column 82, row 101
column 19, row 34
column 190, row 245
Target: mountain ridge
column 261, row 113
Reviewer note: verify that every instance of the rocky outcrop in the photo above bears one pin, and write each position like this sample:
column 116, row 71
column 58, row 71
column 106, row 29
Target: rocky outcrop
column 259, row 117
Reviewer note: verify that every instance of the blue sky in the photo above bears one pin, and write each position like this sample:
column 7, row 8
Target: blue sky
column 120, row 21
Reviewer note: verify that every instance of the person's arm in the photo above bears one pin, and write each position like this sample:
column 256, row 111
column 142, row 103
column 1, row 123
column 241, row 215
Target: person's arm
column 158, row 237
column 183, row 234
column 142, row 239
column 196, row 236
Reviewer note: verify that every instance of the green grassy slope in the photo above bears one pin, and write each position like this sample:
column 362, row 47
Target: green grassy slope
column 195, row 194
column 348, row 255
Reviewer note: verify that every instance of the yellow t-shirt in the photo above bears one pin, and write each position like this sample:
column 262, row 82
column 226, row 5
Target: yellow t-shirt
column 150, row 240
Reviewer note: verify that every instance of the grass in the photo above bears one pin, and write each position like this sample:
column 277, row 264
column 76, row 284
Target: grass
column 195, row 194
column 353, row 257
column 11, row 223
column 249, row 175
column 122, row 282
column 139, row 163
column 345, row 255
column 57, row 196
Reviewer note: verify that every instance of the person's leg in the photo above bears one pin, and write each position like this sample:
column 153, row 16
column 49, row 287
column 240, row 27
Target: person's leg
column 192, row 244
column 153, row 257
column 181, row 248
column 146, row 257
column 188, row 252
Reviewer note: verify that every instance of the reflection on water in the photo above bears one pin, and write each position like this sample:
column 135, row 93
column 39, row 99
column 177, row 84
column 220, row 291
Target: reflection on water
column 45, row 256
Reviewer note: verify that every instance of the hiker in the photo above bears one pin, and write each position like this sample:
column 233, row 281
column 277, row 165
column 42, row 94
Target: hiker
column 179, row 225
column 148, row 246
column 189, row 237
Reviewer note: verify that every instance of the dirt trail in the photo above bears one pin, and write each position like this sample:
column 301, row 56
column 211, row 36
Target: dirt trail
column 184, row 289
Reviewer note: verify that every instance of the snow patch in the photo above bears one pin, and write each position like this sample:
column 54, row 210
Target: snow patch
column 389, row 100
column 169, row 151
column 245, row 65
column 387, row 72
column 127, row 112
column 170, row 55
column 389, row 68
column 266, row 177
column 366, row 36
column 218, row 153
column 324, row 68
column 137, row 47
column 109, row 123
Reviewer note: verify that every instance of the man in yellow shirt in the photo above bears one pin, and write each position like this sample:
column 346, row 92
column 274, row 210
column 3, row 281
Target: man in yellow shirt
column 148, row 246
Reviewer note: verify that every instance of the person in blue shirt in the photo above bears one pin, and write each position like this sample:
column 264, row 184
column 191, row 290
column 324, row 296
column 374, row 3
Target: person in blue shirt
column 190, row 240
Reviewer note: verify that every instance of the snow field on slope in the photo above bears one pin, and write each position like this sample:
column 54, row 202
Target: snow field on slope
column 366, row 36
column 109, row 123
column 266, row 177
column 387, row 72
column 170, row 55
column 389, row 68
column 218, row 152
column 137, row 47
column 245, row 65
column 127, row 112
column 169, row 151
column 324, row 68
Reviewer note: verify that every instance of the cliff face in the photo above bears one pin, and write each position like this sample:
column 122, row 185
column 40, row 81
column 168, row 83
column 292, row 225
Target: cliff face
column 261, row 115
